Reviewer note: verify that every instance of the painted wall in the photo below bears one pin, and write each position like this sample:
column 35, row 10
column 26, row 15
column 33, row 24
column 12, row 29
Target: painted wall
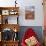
column 38, row 21
column 38, row 30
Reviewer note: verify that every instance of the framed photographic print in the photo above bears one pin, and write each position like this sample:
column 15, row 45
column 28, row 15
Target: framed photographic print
column 30, row 12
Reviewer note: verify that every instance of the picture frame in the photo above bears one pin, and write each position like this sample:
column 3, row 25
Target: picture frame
column 29, row 12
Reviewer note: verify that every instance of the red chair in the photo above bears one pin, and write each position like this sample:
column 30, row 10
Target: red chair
column 29, row 33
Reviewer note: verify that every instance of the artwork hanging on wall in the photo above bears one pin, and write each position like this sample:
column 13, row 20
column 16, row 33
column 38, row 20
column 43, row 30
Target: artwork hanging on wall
column 30, row 12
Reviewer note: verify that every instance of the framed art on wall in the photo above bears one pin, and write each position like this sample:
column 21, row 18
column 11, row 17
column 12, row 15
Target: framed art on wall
column 29, row 12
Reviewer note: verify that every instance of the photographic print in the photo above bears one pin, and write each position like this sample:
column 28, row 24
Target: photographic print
column 29, row 12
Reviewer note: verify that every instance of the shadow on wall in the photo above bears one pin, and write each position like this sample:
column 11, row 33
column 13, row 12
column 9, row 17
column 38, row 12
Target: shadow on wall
column 37, row 29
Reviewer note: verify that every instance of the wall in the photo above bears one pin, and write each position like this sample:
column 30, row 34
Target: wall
column 37, row 29
column 38, row 21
